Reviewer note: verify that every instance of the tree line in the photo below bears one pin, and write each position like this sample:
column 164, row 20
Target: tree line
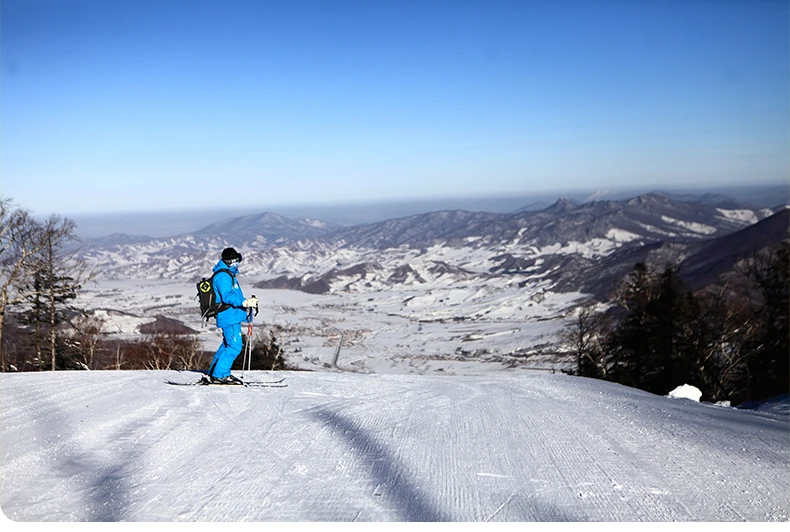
column 730, row 340
column 41, row 328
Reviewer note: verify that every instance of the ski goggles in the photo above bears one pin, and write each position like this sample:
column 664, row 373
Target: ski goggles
column 236, row 260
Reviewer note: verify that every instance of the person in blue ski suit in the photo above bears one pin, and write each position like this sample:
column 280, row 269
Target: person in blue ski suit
column 236, row 311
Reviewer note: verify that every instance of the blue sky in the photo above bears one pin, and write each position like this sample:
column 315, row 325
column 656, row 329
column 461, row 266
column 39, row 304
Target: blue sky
column 111, row 105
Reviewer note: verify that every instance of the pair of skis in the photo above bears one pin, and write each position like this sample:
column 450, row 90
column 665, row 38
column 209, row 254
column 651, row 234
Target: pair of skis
column 204, row 381
column 246, row 363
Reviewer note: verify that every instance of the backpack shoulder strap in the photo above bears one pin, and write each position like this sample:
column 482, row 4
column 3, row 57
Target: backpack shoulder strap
column 232, row 278
column 224, row 270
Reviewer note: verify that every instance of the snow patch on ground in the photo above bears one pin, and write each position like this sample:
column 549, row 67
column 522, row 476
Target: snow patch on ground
column 595, row 247
column 746, row 216
column 620, row 235
column 691, row 226
column 656, row 230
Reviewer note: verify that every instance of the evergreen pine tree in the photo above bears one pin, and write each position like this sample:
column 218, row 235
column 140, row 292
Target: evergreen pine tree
column 630, row 339
column 768, row 366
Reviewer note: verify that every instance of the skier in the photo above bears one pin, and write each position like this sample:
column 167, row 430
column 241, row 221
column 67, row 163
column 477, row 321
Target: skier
column 229, row 293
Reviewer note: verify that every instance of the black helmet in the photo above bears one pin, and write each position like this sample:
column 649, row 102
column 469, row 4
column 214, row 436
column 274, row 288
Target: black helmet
column 231, row 255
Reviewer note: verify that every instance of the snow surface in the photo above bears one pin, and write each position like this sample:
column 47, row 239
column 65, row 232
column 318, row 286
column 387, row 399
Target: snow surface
column 125, row 446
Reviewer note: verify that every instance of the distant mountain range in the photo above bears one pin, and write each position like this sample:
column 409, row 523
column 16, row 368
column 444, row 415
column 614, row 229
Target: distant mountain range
column 166, row 224
column 268, row 228
column 569, row 246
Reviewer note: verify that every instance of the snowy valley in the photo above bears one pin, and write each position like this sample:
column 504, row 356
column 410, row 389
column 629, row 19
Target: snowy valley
column 451, row 292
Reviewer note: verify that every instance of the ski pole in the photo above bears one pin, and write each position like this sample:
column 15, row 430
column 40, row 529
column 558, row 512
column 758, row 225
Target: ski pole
column 247, row 362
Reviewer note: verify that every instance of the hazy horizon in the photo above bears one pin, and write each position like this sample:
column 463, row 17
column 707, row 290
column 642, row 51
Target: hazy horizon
column 157, row 224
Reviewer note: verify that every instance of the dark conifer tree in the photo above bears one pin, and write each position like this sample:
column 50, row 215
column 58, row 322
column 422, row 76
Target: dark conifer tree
column 668, row 326
column 768, row 367
column 630, row 341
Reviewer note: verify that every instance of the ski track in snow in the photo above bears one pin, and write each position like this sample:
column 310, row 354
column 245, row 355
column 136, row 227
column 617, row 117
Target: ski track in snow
column 123, row 446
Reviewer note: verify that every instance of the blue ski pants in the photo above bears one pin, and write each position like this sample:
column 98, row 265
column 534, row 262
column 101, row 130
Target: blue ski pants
column 227, row 352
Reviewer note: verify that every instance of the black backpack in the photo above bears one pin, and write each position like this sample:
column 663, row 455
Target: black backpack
column 209, row 308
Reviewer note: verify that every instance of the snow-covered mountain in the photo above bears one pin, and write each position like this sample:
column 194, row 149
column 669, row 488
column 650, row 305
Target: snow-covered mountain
column 574, row 246
column 700, row 262
column 267, row 229
column 125, row 446
column 648, row 217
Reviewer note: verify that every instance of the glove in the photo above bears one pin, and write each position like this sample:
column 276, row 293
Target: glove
column 250, row 303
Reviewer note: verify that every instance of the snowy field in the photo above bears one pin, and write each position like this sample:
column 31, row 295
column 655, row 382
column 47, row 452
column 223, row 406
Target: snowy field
column 467, row 330
column 125, row 446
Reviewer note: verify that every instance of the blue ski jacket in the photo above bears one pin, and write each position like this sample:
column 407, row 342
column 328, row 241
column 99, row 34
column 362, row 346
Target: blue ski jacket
column 228, row 291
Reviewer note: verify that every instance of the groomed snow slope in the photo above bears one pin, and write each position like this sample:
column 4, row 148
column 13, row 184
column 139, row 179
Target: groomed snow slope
column 124, row 446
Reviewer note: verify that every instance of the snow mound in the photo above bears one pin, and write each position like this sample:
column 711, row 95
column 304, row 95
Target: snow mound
column 686, row 392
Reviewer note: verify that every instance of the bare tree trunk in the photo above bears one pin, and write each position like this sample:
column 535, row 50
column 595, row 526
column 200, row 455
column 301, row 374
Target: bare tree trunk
column 2, row 350
column 51, row 275
column 38, row 336
column 19, row 241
